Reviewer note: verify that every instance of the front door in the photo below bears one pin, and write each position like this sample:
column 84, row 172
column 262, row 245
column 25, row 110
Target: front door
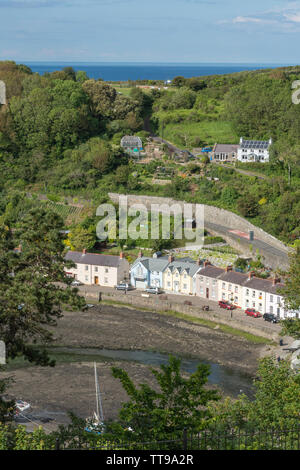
column 96, row 280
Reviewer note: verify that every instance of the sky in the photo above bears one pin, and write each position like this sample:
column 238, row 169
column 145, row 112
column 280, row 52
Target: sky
column 192, row 31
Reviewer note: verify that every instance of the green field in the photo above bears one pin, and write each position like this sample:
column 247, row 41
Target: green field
column 210, row 132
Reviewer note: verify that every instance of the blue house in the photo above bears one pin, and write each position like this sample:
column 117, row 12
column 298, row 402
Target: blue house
column 148, row 272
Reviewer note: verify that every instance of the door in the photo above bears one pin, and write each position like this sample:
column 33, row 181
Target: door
column 207, row 293
column 96, row 280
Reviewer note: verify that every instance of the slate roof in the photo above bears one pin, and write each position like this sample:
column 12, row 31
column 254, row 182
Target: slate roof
column 93, row 259
column 226, row 148
column 234, row 278
column 211, row 271
column 188, row 265
column 153, row 264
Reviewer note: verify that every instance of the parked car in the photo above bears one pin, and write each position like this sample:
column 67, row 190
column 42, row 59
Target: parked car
column 270, row 317
column 123, row 286
column 154, row 290
column 251, row 312
column 226, row 305
column 76, row 283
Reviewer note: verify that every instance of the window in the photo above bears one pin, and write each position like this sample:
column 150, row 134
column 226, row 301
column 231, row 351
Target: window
column 230, row 287
column 185, row 276
column 75, row 267
column 96, row 269
column 185, row 286
column 86, row 278
column 223, row 296
column 271, row 309
column 106, row 270
column 253, row 293
column 247, row 292
column 105, row 280
column 223, row 285
column 86, row 268
column 169, row 274
column 260, row 307
column 236, row 299
column 271, row 298
column 253, row 304
column 213, row 293
column 201, row 290
column 247, row 303
column 201, row 278
column 236, row 289
column 169, row 284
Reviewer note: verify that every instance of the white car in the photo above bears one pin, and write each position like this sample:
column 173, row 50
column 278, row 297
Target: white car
column 76, row 283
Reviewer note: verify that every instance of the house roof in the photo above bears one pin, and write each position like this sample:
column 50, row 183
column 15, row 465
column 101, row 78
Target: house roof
column 211, row 271
column 186, row 264
column 153, row 264
column 234, row 277
column 255, row 144
column 93, row 259
column 226, row 148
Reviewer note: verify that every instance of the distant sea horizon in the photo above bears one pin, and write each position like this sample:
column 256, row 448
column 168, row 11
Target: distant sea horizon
column 124, row 71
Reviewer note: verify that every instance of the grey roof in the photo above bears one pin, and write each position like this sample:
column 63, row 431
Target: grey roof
column 211, row 271
column 264, row 285
column 234, row 278
column 94, row 259
column 186, row 264
column 153, row 264
column 131, row 141
column 226, row 148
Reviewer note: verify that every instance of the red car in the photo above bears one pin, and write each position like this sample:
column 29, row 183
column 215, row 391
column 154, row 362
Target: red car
column 251, row 312
column 226, row 305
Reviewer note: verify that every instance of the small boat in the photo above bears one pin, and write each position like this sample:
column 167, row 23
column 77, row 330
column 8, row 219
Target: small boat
column 96, row 423
column 22, row 406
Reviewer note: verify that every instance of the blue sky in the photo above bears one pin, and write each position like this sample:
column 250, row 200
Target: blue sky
column 260, row 31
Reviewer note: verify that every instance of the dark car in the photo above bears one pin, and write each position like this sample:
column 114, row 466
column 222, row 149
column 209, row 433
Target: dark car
column 271, row 317
column 251, row 312
column 226, row 305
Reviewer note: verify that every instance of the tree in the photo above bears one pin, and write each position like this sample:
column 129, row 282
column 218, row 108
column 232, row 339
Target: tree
column 176, row 403
column 80, row 238
column 291, row 290
column 30, row 299
column 275, row 404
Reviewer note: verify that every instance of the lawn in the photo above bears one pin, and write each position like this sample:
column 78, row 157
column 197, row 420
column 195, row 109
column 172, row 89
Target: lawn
column 210, row 132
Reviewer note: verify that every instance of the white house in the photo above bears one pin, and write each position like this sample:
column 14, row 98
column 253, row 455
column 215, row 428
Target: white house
column 94, row 269
column 275, row 302
column 254, row 150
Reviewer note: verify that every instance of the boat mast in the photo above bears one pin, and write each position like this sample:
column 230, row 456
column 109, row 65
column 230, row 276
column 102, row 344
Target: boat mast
column 98, row 397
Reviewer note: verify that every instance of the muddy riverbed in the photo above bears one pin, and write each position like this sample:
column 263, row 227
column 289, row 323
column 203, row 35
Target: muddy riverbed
column 79, row 335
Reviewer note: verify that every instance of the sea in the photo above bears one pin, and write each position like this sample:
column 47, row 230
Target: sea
column 115, row 72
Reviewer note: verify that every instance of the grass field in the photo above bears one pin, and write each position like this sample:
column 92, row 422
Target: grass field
column 209, row 132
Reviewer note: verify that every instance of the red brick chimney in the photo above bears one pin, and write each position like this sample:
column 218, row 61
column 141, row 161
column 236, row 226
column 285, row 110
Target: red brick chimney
column 250, row 275
column 84, row 251
column 228, row 269
column 122, row 255
column 171, row 259
column 206, row 263
column 275, row 281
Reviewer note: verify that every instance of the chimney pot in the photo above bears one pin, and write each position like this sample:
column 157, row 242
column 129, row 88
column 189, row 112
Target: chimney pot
column 171, row 259
column 122, row 255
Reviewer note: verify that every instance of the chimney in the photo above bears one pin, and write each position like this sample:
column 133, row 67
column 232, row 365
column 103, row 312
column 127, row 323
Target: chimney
column 228, row 269
column 275, row 281
column 84, row 251
column 171, row 259
column 122, row 255
column 199, row 262
column 140, row 254
column 206, row 263
column 250, row 275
